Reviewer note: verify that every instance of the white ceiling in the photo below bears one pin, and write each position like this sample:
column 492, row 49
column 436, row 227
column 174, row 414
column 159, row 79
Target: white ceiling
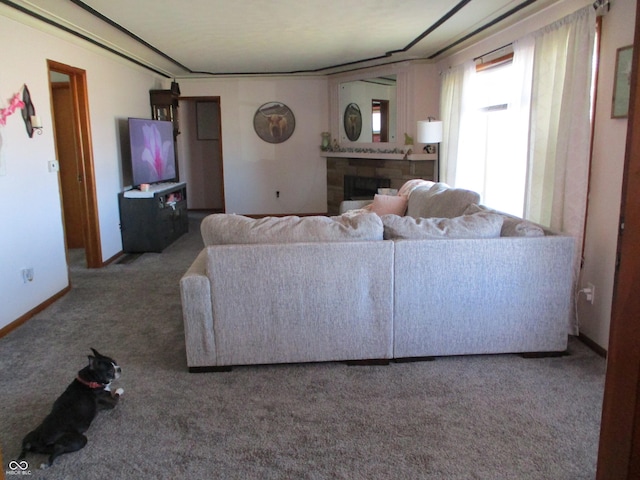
column 181, row 39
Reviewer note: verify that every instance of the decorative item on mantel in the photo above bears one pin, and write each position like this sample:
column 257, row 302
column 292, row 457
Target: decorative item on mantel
column 326, row 141
column 408, row 139
column 336, row 148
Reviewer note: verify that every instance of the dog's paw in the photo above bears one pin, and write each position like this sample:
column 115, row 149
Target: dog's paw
column 119, row 392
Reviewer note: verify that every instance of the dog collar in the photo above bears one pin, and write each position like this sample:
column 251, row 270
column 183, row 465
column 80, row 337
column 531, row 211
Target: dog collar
column 90, row 384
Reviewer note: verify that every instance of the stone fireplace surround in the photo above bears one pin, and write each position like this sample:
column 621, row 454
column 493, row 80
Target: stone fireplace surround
column 362, row 188
column 397, row 171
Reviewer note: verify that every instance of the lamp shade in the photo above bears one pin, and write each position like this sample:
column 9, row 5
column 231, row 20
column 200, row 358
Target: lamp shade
column 429, row 131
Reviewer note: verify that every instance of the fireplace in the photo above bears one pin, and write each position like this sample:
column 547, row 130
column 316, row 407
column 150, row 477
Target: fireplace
column 394, row 172
column 363, row 188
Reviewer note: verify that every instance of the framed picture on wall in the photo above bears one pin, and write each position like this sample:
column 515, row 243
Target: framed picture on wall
column 206, row 120
column 622, row 83
column 274, row 122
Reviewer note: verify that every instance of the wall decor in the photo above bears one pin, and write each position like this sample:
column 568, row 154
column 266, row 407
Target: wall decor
column 622, row 83
column 3, row 166
column 14, row 104
column 352, row 121
column 28, row 112
column 274, row 122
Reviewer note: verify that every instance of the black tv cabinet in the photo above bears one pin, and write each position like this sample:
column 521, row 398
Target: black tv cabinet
column 150, row 221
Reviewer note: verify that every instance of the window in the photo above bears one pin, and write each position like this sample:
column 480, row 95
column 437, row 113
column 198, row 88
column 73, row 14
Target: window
column 490, row 161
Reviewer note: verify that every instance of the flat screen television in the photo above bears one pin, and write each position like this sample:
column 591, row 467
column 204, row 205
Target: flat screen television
column 153, row 157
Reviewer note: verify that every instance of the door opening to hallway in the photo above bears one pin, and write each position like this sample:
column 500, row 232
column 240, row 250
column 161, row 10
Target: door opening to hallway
column 200, row 152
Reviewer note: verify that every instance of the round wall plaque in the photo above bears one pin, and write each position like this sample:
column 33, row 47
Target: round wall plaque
column 352, row 121
column 274, row 122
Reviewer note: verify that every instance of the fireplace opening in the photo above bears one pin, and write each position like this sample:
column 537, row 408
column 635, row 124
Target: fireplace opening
column 363, row 188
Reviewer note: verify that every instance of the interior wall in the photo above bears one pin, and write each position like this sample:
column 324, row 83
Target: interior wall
column 254, row 170
column 424, row 102
column 32, row 232
column 608, row 154
column 610, row 134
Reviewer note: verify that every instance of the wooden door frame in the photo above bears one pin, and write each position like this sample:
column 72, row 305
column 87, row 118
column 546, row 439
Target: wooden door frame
column 619, row 452
column 90, row 219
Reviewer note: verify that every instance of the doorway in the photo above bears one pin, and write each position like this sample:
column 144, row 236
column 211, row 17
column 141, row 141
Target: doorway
column 200, row 153
column 72, row 137
column 380, row 120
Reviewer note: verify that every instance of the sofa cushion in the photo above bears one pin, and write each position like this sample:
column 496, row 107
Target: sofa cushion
column 410, row 185
column 221, row 229
column 512, row 226
column 359, row 206
column 439, row 200
column 389, row 204
column 479, row 225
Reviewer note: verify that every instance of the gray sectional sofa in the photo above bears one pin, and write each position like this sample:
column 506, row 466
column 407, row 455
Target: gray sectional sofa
column 373, row 285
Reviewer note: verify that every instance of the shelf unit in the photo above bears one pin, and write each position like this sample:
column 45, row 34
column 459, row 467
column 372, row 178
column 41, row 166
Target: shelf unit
column 151, row 221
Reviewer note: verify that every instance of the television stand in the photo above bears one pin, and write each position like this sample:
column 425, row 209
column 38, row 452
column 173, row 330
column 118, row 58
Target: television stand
column 151, row 221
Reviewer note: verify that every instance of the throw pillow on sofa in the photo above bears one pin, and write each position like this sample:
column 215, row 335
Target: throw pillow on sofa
column 479, row 225
column 389, row 204
column 221, row 229
column 512, row 226
column 440, row 200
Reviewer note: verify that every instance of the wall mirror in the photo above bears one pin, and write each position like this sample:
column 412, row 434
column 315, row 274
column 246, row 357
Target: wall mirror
column 376, row 100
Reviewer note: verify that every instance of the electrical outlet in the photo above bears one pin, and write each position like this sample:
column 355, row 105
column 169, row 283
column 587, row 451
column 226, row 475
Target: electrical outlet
column 27, row 275
column 592, row 289
column 54, row 166
column 277, row 193
column 589, row 292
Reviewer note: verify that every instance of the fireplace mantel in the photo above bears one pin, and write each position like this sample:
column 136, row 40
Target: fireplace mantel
column 413, row 157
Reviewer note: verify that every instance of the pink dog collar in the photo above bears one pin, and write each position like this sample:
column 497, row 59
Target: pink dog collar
column 90, row 384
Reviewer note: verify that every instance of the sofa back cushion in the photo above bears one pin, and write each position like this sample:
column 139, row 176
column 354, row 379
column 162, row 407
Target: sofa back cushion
column 228, row 229
column 439, row 200
column 512, row 226
column 479, row 225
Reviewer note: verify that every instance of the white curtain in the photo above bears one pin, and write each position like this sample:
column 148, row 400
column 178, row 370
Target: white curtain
column 519, row 111
column 450, row 111
column 560, row 130
column 560, row 123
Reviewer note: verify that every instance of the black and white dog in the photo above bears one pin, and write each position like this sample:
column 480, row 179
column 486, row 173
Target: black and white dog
column 62, row 430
